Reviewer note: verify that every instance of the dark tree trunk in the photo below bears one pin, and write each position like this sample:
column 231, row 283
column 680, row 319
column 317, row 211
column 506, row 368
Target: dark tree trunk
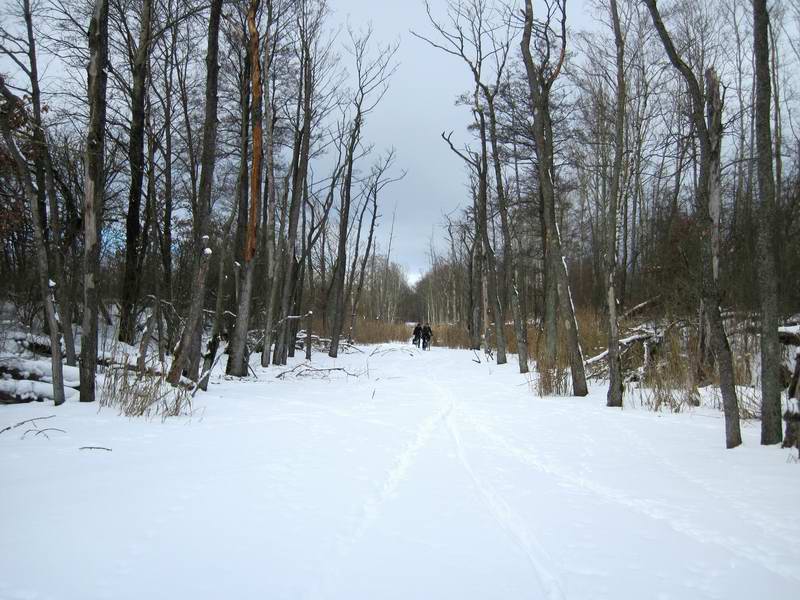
column 341, row 254
column 239, row 355
column 767, row 270
column 131, row 278
column 615, row 385
column 94, row 187
column 298, row 185
column 709, row 136
column 540, row 81
column 14, row 110
column 490, row 264
column 509, row 262
column 208, row 160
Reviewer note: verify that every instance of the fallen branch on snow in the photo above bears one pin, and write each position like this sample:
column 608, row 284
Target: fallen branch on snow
column 21, row 423
column 37, row 431
column 306, row 370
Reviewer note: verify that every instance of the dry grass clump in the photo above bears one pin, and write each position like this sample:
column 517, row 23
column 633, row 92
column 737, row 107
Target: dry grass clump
column 143, row 394
column 552, row 379
column 369, row 331
column 666, row 379
column 592, row 331
column 450, row 335
column 553, row 376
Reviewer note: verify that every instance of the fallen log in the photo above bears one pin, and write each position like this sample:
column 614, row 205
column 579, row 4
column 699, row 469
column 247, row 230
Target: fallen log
column 15, row 367
column 15, row 391
column 38, row 344
column 623, row 343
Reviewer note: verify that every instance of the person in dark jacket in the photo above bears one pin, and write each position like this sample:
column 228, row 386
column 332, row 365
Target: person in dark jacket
column 427, row 334
column 417, row 335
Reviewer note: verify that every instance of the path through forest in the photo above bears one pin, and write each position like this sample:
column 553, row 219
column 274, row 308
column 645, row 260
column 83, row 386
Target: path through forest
column 427, row 475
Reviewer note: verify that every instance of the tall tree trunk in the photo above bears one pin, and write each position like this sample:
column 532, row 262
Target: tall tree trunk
column 208, row 161
column 298, row 185
column 509, row 262
column 490, row 265
column 239, row 356
column 94, row 187
column 14, row 110
column 341, row 254
column 540, row 81
column 709, row 137
column 271, row 255
column 364, row 261
column 133, row 228
column 615, row 385
column 46, row 192
column 768, row 281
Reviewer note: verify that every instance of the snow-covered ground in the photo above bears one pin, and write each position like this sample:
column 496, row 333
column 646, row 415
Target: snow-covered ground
column 425, row 476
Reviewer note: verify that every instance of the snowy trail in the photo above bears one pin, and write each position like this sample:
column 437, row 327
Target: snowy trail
column 505, row 516
column 428, row 476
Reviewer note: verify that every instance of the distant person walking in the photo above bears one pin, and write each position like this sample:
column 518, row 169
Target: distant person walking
column 417, row 335
column 427, row 334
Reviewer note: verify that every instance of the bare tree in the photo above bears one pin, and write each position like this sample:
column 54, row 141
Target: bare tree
column 238, row 357
column 709, row 136
column 94, row 191
column 134, row 250
column 768, row 282
column 13, row 111
column 372, row 82
column 208, row 161
column 377, row 182
column 615, row 385
column 472, row 37
column 541, row 78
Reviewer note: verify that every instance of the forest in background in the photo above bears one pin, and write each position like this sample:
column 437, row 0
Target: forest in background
column 201, row 179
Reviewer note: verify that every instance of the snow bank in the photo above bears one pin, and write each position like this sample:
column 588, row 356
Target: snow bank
column 29, row 391
column 41, row 370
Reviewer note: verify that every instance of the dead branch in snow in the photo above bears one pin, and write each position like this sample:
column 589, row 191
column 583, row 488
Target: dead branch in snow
column 306, row 370
column 381, row 351
column 36, row 431
column 21, row 423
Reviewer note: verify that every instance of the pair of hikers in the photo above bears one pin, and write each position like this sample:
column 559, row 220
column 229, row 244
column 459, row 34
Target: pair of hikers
column 423, row 334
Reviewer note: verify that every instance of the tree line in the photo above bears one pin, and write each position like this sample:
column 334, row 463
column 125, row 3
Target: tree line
column 188, row 168
column 650, row 159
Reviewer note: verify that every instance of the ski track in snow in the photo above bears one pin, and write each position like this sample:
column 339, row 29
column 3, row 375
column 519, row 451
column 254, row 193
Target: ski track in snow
column 371, row 508
column 654, row 509
column 773, row 528
column 503, row 514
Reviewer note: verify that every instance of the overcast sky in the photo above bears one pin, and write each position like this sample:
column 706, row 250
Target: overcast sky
column 420, row 105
